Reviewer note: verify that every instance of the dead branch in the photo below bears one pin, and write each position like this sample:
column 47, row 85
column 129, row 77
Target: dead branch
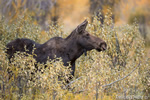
column 122, row 78
column 72, row 82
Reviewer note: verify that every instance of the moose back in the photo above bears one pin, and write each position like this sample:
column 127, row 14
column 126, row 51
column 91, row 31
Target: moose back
column 69, row 49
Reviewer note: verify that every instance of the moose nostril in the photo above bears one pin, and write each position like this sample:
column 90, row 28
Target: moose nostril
column 103, row 46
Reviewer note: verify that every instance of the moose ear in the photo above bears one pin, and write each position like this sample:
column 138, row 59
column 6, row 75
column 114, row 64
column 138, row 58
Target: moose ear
column 81, row 28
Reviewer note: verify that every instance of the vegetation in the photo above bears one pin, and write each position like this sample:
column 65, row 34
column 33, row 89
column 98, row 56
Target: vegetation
column 122, row 72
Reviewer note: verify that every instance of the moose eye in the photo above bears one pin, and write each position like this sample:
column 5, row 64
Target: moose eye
column 87, row 34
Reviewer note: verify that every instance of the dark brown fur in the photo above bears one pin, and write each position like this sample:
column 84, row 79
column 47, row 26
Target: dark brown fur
column 69, row 49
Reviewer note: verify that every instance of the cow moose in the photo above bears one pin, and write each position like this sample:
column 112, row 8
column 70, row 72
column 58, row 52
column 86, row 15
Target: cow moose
column 69, row 48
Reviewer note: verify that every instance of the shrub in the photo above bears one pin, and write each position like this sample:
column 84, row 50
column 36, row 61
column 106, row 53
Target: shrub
column 120, row 72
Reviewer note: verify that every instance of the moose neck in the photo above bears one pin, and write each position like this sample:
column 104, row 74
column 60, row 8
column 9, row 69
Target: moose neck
column 74, row 50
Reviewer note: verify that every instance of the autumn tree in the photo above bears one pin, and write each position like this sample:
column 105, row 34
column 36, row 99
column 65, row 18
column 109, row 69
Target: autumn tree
column 40, row 10
column 103, row 5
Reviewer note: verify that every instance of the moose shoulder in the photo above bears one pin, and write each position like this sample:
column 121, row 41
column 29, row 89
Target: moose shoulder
column 69, row 49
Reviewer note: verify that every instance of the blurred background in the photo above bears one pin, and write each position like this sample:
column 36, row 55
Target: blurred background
column 72, row 12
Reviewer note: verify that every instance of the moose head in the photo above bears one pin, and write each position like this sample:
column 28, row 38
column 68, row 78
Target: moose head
column 86, row 40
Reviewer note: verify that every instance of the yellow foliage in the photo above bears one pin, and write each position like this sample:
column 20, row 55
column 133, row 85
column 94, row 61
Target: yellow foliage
column 125, row 8
column 73, row 12
column 96, row 70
